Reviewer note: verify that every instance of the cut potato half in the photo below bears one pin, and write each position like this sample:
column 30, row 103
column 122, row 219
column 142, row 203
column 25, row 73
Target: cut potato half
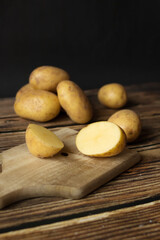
column 101, row 139
column 41, row 142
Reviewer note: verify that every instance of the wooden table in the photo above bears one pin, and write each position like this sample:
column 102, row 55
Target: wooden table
column 128, row 207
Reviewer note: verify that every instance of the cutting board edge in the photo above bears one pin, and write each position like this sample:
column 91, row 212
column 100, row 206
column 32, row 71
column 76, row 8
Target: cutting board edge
column 96, row 183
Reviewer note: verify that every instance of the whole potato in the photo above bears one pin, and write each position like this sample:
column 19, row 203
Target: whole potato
column 47, row 77
column 74, row 102
column 22, row 90
column 129, row 121
column 37, row 105
column 112, row 95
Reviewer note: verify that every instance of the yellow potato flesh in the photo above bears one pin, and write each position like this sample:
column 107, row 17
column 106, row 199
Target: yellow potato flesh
column 101, row 139
column 41, row 142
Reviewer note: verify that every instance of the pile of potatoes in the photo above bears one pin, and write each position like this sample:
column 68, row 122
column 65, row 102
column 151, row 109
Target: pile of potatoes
column 114, row 96
column 109, row 138
column 49, row 89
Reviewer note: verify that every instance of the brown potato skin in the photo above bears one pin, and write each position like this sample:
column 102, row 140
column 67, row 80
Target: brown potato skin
column 24, row 89
column 37, row 105
column 37, row 147
column 129, row 121
column 74, row 101
column 47, row 77
column 112, row 95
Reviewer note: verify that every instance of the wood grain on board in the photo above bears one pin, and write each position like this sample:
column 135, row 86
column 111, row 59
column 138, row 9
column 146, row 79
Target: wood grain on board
column 140, row 222
column 68, row 174
column 129, row 203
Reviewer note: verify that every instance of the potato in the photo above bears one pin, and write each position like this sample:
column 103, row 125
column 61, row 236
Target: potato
column 47, row 77
column 22, row 90
column 112, row 95
column 41, row 142
column 129, row 121
column 101, row 139
column 37, row 105
column 74, row 102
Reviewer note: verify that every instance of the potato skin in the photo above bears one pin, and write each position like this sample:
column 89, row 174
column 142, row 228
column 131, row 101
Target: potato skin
column 129, row 121
column 37, row 147
column 112, row 95
column 37, row 105
column 47, row 77
column 74, row 101
column 22, row 90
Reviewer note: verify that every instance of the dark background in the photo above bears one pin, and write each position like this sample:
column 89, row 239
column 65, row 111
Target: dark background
column 96, row 41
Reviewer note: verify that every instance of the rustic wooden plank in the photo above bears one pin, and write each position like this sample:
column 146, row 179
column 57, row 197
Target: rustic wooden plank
column 6, row 104
column 134, row 187
column 146, row 103
column 139, row 222
column 140, row 183
column 19, row 124
column 12, row 139
column 73, row 176
column 150, row 136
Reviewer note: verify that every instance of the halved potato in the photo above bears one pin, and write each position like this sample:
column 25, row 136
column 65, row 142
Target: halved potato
column 101, row 139
column 41, row 142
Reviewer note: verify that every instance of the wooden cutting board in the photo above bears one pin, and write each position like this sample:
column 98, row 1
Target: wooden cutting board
column 68, row 174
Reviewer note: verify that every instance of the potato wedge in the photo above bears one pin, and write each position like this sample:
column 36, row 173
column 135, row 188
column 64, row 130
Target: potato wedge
column 101, row 139
column 41, row 142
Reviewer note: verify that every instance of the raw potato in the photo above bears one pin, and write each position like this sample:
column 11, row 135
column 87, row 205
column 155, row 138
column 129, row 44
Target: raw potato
column 101, row 139
column 129, row 121
column 74, row 102
column 47, row 77
column 112, row 95
column 37, row 105
column 41, row 142
column 22, row 90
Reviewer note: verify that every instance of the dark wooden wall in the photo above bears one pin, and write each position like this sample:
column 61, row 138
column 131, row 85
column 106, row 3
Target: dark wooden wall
column 96, row 41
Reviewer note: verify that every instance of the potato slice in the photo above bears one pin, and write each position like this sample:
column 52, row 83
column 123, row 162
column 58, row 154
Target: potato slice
column 41, row 142
column 101, row 139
